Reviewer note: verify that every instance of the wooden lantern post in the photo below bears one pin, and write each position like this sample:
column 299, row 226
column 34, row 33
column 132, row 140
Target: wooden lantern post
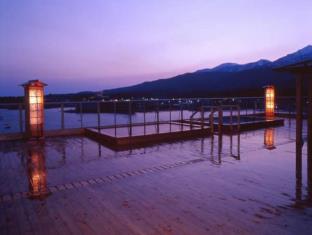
column 269, row 95
column 34, row 108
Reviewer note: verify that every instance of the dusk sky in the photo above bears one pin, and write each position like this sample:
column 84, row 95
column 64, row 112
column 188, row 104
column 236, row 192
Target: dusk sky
column 93, row 45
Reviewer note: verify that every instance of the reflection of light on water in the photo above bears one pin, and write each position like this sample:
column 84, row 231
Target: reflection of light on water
column 37, row 173
column 269, row 138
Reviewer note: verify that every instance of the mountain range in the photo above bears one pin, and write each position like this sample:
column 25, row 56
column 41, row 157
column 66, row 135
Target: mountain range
column 228, row 79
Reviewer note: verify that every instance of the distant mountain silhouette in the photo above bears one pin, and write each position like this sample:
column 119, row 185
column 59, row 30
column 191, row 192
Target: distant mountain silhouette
column 227, row 79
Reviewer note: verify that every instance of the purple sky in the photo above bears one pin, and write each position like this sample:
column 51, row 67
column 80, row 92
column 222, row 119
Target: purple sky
column 92, row 45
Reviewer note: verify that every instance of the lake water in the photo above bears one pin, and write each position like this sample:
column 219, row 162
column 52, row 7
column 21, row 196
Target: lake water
column 9, row 119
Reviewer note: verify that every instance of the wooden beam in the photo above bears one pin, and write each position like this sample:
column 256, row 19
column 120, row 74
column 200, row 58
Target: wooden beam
column 299, row 84
column 309, row 158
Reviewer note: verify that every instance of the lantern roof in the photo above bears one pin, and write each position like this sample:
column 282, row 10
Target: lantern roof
column 303, row 67
column 269, row 86
column 34, row 83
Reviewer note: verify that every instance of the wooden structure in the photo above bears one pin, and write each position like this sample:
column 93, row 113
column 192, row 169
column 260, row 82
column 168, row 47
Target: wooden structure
column 269, row 101
column 303, row 73
column 141, row 135
column 34, row 108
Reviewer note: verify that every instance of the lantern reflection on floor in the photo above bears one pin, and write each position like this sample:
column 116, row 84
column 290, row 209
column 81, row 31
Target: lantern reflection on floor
column 269, row 138
column 37, row 171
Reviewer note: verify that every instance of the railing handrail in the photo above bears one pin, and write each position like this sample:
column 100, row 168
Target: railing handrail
column 151, row 100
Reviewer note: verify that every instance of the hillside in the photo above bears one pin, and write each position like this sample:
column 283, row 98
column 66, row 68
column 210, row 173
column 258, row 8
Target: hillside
column 227, row 79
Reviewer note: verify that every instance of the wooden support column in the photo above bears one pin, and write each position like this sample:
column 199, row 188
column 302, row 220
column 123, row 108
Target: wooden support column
column 299, row 82
column 309, row 155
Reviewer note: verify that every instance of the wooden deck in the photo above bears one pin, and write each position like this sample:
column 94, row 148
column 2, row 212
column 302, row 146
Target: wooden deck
column 120, row 139
column 187, row 187
column 228, row 128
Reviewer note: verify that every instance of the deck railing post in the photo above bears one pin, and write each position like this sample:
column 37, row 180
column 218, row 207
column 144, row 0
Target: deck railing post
column 181, row 116
column 20, row 108
column 299, row 141
column 115, row 117
column 99, row 115
column 81, row 115
column 62, row 117
column 231, row 118
column 220, row 119
column 144, row 116
column 130, row 119
column 211, row 121
column 309, row 134
column 157, row 117
column 181, row 112
column 170, row 118
column 202, row 113
column 238, row 118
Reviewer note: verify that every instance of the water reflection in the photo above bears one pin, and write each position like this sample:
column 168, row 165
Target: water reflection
column 36, row 171
column 269, row 138
column 216, row 145
column 302, row 201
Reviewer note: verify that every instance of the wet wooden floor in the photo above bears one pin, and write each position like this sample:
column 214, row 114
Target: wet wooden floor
column 189, row 187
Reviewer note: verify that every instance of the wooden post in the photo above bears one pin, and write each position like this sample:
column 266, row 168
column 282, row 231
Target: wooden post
column 157, row 117
column 81, row 117
column 144, row 116
column 220, row 120
column 202, row 114
column 115, row 117
column 211, row 121
column 231, row 118
column 170, row 118
column 62, row 117
column 130, row 119
column 309, row 157
column 181, row 117
column 99, row 116
column 20, row 108
column 299, row 81
column 238, row 118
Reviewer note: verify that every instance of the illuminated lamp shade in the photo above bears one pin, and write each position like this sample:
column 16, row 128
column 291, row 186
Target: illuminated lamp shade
column 269, row 101
column 269, row 139
column 34, row 108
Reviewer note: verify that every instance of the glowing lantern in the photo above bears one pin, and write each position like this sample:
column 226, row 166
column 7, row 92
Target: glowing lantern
column 37, row 173
column 34, row 104
column 269, row 101
column 269, row 138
